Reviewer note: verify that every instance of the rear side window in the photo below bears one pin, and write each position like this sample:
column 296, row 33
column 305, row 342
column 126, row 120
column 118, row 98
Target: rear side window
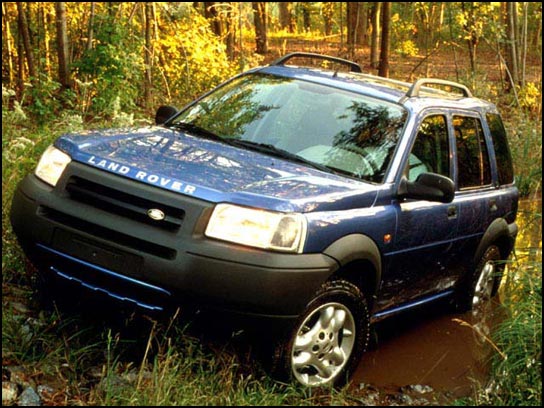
column 502, row 150
column 472, row 155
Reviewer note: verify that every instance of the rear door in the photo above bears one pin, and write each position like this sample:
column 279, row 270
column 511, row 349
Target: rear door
column 476, row 192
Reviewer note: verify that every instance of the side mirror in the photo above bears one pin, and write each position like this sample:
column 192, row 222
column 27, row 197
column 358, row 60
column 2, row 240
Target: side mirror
column 428, row 186
column 164, row 113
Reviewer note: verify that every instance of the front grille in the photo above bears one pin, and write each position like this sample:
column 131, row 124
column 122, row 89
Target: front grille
column 107, row 234
column 123, row 204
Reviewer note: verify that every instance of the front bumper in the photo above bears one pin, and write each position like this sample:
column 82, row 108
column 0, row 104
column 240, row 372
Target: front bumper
column 78, row 238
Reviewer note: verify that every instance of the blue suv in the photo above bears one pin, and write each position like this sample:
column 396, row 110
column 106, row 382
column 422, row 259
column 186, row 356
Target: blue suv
column 326, row 199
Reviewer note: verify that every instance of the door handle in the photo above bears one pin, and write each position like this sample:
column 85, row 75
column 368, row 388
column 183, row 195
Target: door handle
column 452, row 212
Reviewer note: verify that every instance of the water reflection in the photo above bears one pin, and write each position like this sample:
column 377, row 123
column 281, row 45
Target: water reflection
column 448, row 352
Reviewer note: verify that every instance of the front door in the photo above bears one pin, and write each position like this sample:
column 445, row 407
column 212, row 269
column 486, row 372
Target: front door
column 423, row 249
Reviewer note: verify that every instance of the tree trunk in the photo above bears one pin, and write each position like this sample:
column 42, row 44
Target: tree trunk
column 357, row 27
column 6, row 39
column 210, row 12
column 45, row 23
column 148, row 55
column 306, row 16
column 25, row 34
column 352, row 19
column 327, row 10
column 375, row 22
column 21, row 70
column 230, row 39
column 90, row 30
column 383, row 70
column 472, row 38
column 537, row 33
column 523, row 59
column 62, row 45
column 363, row 23
column 512, row 60
column 259, row 16
column 287, row 21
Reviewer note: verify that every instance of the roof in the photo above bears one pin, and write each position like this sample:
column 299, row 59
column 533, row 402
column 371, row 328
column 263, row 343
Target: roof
column 418, row 95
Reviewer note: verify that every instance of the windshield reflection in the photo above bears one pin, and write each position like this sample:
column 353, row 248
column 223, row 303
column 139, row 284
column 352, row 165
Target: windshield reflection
column 347, row 132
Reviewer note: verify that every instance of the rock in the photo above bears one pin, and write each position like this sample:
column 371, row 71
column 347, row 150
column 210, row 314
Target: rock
column 372, row 398
column 134, row 375
column 96, row 372
column 9, row 392
column 19, row 375
column 421, row 389
column 20, row 307
column 405, row 399
column 29, row 398
column 45, row 391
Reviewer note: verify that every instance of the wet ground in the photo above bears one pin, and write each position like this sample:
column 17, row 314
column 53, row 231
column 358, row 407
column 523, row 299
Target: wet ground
column 434, row 348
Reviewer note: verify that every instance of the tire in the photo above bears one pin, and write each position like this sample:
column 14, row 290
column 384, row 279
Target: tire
column 328, row 339
column 483, row 283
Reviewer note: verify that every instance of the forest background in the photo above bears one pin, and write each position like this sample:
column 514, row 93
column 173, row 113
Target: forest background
column 69, row 66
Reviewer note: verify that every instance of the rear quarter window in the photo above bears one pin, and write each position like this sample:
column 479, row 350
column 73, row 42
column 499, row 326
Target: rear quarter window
column 472, row 156
column 502, row 150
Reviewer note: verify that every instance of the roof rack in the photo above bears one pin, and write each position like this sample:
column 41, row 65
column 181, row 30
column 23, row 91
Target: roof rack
column 416, row 86
column 354, row 67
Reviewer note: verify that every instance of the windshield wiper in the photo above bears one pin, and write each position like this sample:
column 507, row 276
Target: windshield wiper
column 275, row 151
column 260, row 147
column 198, row 131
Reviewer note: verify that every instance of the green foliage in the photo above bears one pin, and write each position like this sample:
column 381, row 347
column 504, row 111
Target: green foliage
column 13, row 116
column 403, row 36
column 113, row 67
column 43, row 95
column 23, row 141
column 516, row 373
column 518, row 377
column 524, row 130
column 196, row 60
column 530, row 99
column 407, row 49
column 525, row 139
column 474, row 18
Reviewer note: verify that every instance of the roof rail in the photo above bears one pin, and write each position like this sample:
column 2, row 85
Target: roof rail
column 354, row 67
column 416, row 86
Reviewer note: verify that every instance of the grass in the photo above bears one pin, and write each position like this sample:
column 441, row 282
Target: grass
column 518, row 377
column 516, row 373
column 94, row 359
column 525, row 137
column 184, row 372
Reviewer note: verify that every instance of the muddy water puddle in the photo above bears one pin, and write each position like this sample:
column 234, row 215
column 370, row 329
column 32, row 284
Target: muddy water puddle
column 431, row 347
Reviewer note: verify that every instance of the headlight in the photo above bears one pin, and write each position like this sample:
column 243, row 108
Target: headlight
column 257, row 228
column 51, row 165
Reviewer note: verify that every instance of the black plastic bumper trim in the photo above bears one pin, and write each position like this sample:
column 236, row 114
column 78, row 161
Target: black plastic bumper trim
column 106, row 271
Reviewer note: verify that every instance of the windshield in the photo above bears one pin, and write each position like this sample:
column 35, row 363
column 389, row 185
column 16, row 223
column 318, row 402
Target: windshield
column 343, row 131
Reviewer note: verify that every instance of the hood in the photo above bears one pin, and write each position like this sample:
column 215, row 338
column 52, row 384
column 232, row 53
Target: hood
column 214, row 171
